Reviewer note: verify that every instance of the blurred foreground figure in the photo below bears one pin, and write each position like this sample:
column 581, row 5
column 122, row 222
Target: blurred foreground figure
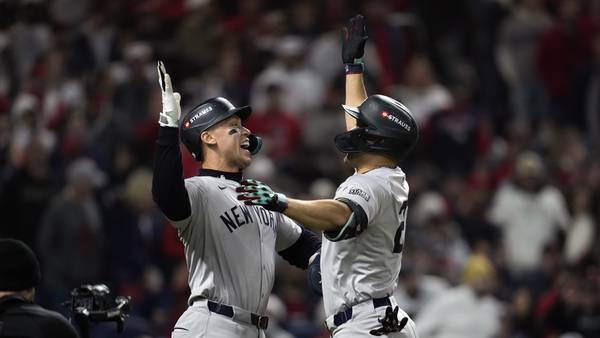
column 19, row 316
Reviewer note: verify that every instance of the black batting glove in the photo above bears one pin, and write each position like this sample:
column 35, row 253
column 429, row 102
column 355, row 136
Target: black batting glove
column 354, row 37
column 253, row 192
column 390, row 322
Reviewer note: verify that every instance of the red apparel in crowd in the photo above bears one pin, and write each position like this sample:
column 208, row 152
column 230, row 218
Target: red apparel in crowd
column 282, row 131
column 561, row 52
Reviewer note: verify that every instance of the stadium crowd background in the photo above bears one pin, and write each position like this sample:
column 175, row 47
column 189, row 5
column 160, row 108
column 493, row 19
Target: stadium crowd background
column 505, row 183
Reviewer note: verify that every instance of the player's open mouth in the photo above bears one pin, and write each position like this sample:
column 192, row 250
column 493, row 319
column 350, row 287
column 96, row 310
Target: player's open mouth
column 245, row 144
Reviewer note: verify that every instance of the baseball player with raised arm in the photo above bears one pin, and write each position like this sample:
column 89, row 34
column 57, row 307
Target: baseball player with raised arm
column 364, row 225
column 229, row 247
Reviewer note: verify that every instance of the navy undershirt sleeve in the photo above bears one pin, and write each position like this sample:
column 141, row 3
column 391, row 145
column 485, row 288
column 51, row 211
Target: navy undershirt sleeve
column 168, row 187
column 300, row 252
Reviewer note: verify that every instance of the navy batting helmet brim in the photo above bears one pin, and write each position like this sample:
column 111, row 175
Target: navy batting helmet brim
column 352, row 111
column 242, row 112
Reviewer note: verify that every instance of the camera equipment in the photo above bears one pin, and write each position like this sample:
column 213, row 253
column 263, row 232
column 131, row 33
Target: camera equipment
column 92, row 303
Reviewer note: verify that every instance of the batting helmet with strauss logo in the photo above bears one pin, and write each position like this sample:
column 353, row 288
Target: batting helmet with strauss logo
column 383, row 125
column 206, row 115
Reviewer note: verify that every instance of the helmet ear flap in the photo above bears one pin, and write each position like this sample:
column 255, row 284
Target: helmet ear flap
column 191, row 139
column 351, row 141
column 255, row 144
column 361, row 140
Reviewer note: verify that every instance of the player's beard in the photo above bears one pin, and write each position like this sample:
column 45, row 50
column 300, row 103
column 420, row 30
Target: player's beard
column 240, row 160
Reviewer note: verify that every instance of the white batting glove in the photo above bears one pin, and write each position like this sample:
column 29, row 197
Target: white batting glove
column 171, row 109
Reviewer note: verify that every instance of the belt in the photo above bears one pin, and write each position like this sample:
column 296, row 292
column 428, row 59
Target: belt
column 261, row 322
column 344, row 316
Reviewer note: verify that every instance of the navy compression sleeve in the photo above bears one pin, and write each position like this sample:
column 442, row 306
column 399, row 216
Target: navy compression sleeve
column 168, row 187
column 300, row 252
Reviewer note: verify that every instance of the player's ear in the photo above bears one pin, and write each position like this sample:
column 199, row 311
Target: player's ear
column 208, row 138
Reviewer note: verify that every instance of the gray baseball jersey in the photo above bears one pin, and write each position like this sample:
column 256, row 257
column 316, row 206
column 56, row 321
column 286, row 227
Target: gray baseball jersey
column 367, row 266
column 230, row 248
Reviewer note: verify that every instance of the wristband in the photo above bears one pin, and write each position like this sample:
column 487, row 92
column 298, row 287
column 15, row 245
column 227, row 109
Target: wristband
column 354, row 68
column 280, row 203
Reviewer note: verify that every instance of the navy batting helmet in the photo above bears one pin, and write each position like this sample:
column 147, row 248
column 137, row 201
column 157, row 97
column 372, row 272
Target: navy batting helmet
column 206, row 115
column 383, row 125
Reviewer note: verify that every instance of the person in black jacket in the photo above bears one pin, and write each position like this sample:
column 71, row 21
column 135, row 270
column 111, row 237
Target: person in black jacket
column 19, row 316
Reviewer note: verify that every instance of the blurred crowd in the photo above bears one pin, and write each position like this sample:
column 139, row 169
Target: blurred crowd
column 505, row 182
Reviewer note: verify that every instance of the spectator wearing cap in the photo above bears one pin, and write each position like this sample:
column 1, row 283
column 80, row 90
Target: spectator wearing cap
column 19, row 316
column 529, row 212
column 71, row 239
column 468, row 310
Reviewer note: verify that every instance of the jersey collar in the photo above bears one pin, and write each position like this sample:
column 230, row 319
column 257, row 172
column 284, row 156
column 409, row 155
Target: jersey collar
column 218, row 173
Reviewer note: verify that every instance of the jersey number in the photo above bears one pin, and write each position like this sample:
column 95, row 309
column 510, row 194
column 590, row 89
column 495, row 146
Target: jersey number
column 399, row 238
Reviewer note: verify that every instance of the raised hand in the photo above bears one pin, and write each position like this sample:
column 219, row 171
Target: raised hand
column 171, row 108
column 354, row 37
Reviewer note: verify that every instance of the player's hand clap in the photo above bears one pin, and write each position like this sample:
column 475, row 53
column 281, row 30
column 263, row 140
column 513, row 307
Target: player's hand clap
column 171, row 108
column 254, row 192
column 354, row 37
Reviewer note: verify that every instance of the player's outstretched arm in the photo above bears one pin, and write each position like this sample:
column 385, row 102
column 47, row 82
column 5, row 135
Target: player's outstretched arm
column 168, row 187
column 322, row 215
column 354, row 37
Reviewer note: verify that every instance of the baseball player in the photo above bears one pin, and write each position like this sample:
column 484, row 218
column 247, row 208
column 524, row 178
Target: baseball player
column 364, row 225
column 229, row 247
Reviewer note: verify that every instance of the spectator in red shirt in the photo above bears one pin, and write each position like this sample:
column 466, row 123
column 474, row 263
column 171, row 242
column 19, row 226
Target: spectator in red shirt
column 562, row 49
